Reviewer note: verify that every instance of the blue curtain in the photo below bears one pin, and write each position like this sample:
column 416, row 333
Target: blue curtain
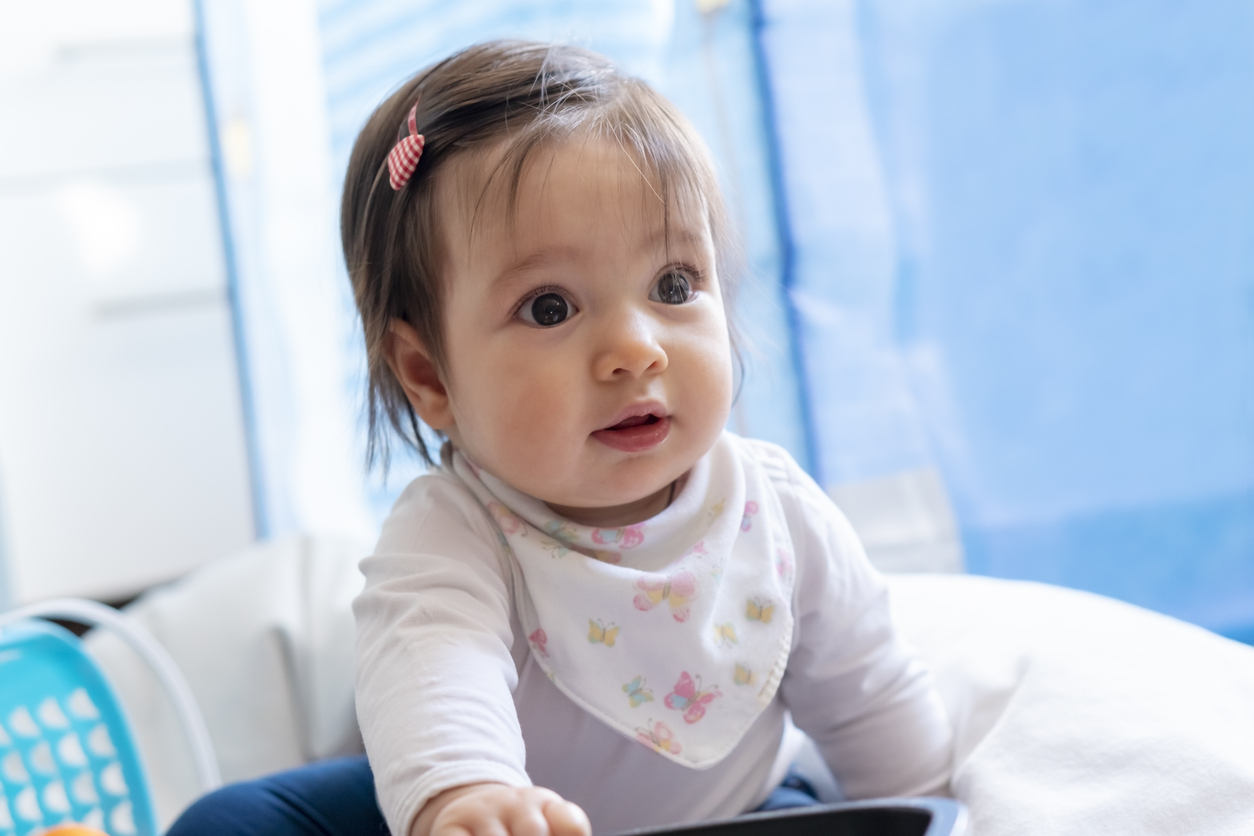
column 1027, row 256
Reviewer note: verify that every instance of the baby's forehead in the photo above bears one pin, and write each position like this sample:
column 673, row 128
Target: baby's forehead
column 507, row 192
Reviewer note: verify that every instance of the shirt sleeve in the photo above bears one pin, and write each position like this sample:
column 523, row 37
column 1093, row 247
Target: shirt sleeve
column 852, row 684
column 435, row 671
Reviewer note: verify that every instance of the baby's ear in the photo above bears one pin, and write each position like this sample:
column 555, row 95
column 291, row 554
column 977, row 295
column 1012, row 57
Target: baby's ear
column 410, row 361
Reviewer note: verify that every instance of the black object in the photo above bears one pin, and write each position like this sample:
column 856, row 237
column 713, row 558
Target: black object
column 882, row 817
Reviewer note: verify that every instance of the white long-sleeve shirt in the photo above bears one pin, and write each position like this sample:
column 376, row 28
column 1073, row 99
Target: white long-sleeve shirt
column 448, row 693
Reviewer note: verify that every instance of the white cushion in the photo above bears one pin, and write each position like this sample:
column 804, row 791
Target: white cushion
column 265, row 639
column 1078, row 714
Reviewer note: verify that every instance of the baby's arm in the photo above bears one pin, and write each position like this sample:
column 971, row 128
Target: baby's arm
column 851, row 684
column 493, row 809
column 435, row 673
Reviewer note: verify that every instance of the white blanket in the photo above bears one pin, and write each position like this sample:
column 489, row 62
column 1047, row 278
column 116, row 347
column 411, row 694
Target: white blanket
column 1073, row 713
column 1076, row 714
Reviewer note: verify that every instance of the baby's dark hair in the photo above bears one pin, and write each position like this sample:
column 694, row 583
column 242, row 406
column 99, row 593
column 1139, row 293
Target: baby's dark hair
column 517, row 96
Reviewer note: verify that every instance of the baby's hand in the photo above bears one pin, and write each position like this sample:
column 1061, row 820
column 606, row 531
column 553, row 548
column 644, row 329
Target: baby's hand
column 500, row 810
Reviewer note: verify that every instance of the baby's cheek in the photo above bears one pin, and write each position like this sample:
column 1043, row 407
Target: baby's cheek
column 708, row 359
column 530, row 415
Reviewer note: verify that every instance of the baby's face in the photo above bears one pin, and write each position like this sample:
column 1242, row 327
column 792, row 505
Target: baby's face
column 588, row 358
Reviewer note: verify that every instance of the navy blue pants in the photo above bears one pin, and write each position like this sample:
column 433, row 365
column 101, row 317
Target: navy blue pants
column 336, row 798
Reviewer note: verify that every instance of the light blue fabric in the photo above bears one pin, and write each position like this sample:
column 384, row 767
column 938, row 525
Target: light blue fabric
column 1041, row 278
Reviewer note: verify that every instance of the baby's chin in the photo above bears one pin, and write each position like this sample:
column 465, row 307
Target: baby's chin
column 580, row 499
column 615, row 514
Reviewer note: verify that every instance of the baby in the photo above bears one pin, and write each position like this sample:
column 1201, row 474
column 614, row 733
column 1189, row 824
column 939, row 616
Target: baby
column 601, row 610
column 601, row 591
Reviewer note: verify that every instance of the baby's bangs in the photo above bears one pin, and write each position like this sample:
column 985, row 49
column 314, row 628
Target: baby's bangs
column 650, row 128
column 684, row 182
column 671, row 158
column 661, row 140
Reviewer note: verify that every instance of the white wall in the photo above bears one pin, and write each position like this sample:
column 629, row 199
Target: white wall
column 122, row 450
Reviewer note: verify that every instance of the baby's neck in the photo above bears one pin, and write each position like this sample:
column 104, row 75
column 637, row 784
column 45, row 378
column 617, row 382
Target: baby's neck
column 617, row 516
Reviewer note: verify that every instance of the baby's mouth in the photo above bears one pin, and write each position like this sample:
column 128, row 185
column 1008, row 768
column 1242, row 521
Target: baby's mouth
column 636, row 434
column 634, row 421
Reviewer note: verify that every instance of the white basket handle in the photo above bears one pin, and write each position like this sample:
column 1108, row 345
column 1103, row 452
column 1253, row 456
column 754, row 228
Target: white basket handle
column 150, row 650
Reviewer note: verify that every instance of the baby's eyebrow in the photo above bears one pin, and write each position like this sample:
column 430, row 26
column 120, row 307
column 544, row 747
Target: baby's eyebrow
column 676, row 235
column 536, row 260
column 547, row 257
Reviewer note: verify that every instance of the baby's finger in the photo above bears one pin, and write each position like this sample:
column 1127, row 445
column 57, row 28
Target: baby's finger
column 484, row 826
column 527, row 819
column 567, row 819
column 460, row 821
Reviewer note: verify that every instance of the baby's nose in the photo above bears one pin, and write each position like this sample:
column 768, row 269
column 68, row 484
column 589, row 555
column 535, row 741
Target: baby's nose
column 629, row 346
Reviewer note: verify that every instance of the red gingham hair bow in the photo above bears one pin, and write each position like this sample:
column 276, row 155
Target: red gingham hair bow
column 403, row 158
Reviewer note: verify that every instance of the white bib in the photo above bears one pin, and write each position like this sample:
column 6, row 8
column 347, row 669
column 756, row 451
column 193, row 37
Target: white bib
column 674, row 631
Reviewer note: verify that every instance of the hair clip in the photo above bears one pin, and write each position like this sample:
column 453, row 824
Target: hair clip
column 404, row 156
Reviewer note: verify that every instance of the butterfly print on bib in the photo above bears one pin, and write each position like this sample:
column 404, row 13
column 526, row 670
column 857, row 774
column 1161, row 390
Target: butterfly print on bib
column 560, row 534
column 539, row 639
column 659, row 738
column 783, row 564
column 638, row 692
column 688, row 697
column 598, row 633
column 508, row 521
column 751, row 510
column 757, row 609
column 625, row 538
column 677, row 590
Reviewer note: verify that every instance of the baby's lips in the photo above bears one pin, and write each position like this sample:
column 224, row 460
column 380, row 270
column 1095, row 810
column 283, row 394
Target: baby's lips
column 636, row 414
column 636, row 438
column 634, row 421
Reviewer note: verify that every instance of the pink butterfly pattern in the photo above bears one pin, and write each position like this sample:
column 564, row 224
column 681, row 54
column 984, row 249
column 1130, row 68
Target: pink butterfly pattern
column 677, row 590
column 687, row 696
column 751, row 510
column 783, row 563
column 559, row 535
column 539, row 639
column 626, row 538
column 659, row 738
column 508, row 521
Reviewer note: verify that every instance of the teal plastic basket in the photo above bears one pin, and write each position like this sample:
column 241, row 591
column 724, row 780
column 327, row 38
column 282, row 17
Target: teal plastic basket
column 67, row 754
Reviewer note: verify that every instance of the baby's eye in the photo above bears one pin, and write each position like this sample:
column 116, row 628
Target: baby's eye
column 546, row 310
column 672, row 289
